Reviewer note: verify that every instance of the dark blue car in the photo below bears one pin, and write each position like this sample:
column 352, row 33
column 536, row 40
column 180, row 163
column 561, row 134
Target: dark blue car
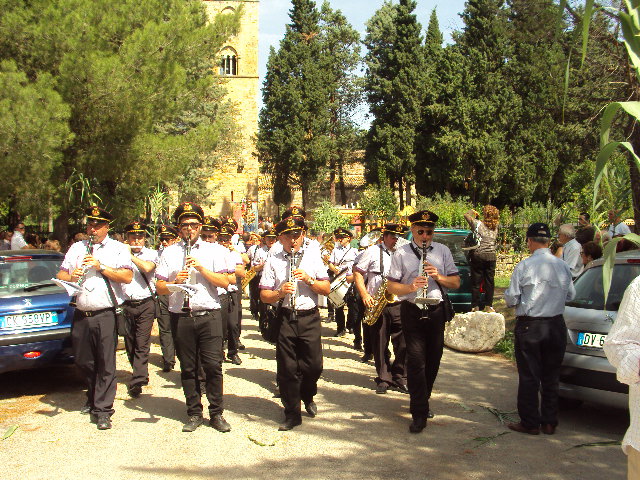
column 35, row 316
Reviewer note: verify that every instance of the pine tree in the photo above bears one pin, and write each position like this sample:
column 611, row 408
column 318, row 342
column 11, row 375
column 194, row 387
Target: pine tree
column 395, row 88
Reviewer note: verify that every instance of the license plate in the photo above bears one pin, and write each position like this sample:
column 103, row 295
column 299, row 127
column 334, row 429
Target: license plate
column 586, row 339
column 28, row 320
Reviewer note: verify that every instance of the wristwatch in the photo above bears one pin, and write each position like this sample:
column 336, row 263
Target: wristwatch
column 311, row 281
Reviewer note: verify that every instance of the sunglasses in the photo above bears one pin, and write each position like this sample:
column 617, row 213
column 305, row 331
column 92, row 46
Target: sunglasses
column 184, row 226
column 206, row 236
column 428, row 231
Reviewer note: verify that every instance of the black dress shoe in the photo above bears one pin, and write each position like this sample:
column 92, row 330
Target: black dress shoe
column 167, row 367
column 430, row 414
column 290, row 423
column 311, row 408
column 340, row 333
column 135, row 391
column 219, row 423
column 398, row 387
column 86, row 409
column 357, row 346
column 548, row 428
column 235, row 359
column 194, row 422
column 520, row 428
column 241, row 346
column 104, row 423
column 381, row 388
column 418, row 424
column 366, row 358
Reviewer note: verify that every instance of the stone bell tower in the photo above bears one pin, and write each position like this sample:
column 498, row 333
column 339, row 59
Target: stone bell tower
column 236, row 178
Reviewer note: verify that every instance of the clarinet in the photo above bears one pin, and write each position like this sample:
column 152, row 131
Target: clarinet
column 85, row 269
column 186, row 304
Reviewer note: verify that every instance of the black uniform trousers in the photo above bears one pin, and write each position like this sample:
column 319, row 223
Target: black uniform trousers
column 356, row 313
column 94, row 341
column 299, row 358
column 139, row 317
column 483, row 272
column 164, row 330
column 425, row 340
column 389, row 328
column 540, row 343
column 198, row 341
column 254, row 296
column 233, row 323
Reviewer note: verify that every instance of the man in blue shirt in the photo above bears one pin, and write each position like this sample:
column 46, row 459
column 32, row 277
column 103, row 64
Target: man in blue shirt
column 539, row 287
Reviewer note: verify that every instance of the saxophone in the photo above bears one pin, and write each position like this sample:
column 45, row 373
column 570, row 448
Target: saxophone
column 251, row 273
column 381, row 299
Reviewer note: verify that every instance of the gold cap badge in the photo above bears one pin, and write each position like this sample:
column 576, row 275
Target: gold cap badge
column 95, row 211
column 290, row 223
column 425, row 216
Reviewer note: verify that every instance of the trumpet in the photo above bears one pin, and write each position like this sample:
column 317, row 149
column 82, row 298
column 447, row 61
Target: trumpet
column 84, row 268
column 186, row 304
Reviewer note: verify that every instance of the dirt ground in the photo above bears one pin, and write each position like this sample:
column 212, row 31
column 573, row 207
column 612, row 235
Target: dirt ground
column 356, row 435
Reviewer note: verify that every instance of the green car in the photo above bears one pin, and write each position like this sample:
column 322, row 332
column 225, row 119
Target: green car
column 452, row 238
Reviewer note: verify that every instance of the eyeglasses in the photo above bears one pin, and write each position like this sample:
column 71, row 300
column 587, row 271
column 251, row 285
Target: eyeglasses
column 185, row 226
column 422, row 232
column 206, row 236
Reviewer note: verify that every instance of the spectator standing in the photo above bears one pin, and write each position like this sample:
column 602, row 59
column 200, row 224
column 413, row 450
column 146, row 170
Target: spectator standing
column 584, row 220
column 569, row 249
column 483, row 258
column 617, row 227
column 5, row 240
column 590, row 251
column 17, row 241
column 622, row 348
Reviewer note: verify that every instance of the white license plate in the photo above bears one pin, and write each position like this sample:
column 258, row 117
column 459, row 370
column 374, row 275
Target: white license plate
column 28, row 320
column 586, row 339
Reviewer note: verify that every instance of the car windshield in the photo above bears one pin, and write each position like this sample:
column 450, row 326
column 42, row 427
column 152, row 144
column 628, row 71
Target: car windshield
column 589, row 290
column 454, row 242
column 18, row 273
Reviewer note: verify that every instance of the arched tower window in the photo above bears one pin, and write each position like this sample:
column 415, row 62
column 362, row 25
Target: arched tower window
column 228, row 62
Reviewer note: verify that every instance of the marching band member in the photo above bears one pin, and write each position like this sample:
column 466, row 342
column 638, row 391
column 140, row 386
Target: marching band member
column 139, row 308
column 423, row 328
column 257, row 263
column 168, row 236
column 195, row 319
column 370, row 272
column 341, row 259
column 296, row 276
column 101, row 265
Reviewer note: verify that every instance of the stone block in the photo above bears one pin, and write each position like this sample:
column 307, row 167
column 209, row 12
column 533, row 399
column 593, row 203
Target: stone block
column 474, row 331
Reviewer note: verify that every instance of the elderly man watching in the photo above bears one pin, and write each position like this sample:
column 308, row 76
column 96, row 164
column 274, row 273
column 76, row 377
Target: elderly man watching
column 570, row 249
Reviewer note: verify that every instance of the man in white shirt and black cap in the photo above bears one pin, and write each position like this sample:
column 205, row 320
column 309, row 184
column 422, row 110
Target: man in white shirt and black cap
column 168, row 236
column 295, row 276
column 421, row 272
column 195, row 316
column 100, row 266
column 139, row 306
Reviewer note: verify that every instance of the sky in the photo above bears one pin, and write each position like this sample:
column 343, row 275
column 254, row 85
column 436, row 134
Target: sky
column 274, row 15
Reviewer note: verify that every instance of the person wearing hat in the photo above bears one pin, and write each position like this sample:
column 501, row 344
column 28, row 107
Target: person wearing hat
column 293, row 278
column 258, row 259
column 139, row 306
column 195, row 317
column 340, row 260
column 253, row 244
column 369, row 272
column 539, row 287
column 100, row 265
column 422, row 326
column 168, row 235
column 296, row 212
column 236, row 270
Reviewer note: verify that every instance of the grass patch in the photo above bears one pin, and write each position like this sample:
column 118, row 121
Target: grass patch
column 506, row 346
column 501, row 282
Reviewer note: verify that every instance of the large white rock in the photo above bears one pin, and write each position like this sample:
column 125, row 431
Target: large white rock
column 474, row 331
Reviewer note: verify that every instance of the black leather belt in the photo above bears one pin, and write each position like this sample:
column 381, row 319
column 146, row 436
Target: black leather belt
column 93, row 313
column 393, row 304
column 301, row 313
column 137, row 303
column 527, row 318
column 199, row 313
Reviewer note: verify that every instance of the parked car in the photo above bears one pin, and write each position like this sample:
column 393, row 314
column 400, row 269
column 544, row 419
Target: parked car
column 586, row 374
column 35, row 316
column 453, row 238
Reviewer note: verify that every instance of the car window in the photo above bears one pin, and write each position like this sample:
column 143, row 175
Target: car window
column 18, row 273
column 454, row 242
column 589, row 290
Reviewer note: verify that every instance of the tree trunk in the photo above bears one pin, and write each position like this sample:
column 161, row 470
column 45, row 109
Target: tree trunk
column 408, row 192
column 400, row 193
column 343, row 190
column 61, row 229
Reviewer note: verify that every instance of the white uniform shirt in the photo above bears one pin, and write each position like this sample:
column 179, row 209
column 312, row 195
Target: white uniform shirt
column 138, row 289
column 233, row 260
column 343, row 257
column 571, row 256
column 17, row 241
column 276, row 273
column 368, row 264
column 110, row 253
column 622, row 348
column 405, row 266
column 260, row 255
column 309, row 245
column 614, row 229
column 172, row 261
column 540, row 285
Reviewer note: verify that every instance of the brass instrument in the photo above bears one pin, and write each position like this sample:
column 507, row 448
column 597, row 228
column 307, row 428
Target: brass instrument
column 85, row 268
column 326, row 248
column 381, row 299
column 250, row 275
column 186, row 304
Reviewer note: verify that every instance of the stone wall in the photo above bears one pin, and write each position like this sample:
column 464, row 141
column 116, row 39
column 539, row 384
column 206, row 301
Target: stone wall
column 507, row 262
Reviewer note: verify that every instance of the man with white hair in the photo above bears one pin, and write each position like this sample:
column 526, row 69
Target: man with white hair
column 570, row 249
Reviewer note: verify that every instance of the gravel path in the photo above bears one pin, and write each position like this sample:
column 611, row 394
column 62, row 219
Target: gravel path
column 356, row 435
